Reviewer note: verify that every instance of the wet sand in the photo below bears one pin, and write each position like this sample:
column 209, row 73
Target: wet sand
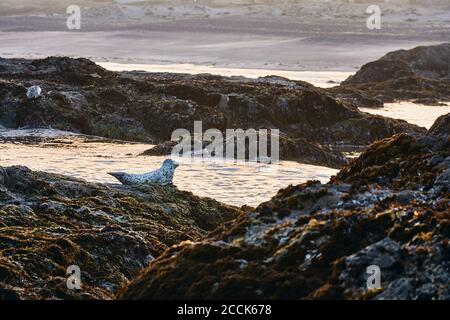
column 278, row 43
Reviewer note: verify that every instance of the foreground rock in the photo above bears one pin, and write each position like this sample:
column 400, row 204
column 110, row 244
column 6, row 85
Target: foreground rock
column 441, row 126
column 421, row 74
column 390, row 208
column 49, row 222
column 78, row 95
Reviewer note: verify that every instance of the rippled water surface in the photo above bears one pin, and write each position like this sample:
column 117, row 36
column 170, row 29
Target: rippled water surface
column 236, row 184
column 418, row 114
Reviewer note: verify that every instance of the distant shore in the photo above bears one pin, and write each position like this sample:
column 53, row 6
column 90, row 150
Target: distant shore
column 257, row 42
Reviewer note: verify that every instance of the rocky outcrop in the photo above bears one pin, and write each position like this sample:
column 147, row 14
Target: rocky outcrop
column 441, row 126
column 421, row 74
column 304, row 151
column 389, row 208
column 49, row 222
column 432, row 62
column 290, row 149
column 77, row 95
column 161, row 149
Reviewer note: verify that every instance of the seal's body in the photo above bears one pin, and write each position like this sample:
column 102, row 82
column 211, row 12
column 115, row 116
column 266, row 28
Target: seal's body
column 162, row 176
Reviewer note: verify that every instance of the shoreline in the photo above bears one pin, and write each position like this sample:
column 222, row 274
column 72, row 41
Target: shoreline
column 323, row 79
column 291, row 55
column 278, row 43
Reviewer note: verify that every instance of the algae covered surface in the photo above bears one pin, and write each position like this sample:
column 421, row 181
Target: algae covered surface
column 390, row 208
column 50, row 222
column 421, row 74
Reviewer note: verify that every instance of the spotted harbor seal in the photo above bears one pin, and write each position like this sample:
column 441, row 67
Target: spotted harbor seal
column 162, row 176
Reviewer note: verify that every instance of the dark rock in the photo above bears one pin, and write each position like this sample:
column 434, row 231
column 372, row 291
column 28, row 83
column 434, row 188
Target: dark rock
column 441, row 126
column 384, row 254
column 83, row 97
column 315, row 241
column 426, row 61
column 161, row 149
column 110, row 232
column 432, row 62
column 421, row 74
column 380, row 164
column 291, row 149
column 400, row 289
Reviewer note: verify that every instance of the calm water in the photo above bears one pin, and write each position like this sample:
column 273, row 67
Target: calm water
column 418, row 114
column 236, row 184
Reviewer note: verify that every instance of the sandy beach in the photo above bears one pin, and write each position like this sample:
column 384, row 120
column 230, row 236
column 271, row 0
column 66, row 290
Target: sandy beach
column 308, row 37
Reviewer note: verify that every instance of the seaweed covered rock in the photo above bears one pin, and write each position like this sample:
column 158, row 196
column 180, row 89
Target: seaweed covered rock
column 80, row 96
column 162, row 149
column 381, row 164
column 431, row 62
column 49, row 222
column 300, row 149
column 421, row 74
column 389, row 208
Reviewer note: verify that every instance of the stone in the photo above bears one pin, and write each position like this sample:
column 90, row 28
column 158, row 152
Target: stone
column 109, row 231
column 441, row 126
column 421, row 74
column 400, row 289
column 327, row 236
column 34, row 92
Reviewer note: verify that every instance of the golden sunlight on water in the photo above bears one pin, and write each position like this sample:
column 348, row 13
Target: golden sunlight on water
column 236, row 184
column 226, row 182
column 418, row 114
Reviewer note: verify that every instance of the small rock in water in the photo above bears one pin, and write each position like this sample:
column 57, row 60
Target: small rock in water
column 34, row 92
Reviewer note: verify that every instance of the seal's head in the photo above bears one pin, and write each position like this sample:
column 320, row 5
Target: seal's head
column 170, row 164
